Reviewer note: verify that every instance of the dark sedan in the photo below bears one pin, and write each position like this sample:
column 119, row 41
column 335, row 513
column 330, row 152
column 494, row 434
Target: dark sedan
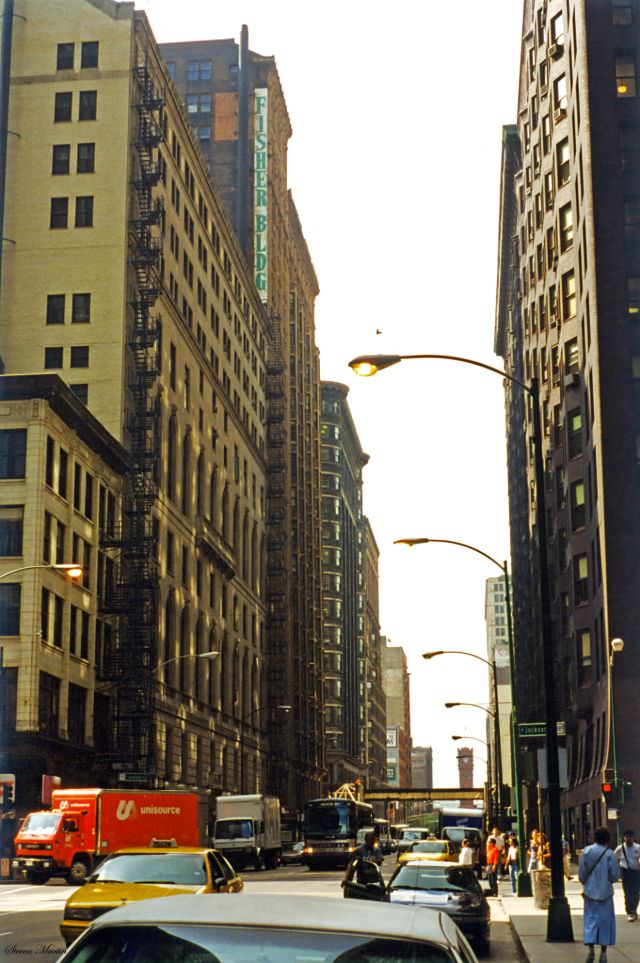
column 447, row 887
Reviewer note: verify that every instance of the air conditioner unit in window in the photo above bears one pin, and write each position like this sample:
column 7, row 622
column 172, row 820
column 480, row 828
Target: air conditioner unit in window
column 556, row 49
column 572, row 380
column 559, row 114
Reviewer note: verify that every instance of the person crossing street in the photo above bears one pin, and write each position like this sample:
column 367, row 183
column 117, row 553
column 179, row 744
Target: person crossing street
column 628, row 856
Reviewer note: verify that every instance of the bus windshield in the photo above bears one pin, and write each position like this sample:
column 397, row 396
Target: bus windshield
column 333, row 818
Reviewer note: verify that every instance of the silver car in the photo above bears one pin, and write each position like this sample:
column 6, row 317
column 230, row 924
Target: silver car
column 271, row 929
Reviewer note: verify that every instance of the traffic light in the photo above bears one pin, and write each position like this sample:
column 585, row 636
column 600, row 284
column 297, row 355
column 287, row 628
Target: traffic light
column 8, row 795
column 607, row 790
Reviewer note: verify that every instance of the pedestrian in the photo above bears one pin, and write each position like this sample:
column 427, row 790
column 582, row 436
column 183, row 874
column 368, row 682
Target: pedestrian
column 566, row 868
column 501, row 845
column 534, row 851
column 598, row 870
column 628, row 856
column 465, row 856
column 493, row 862
column 513, row 855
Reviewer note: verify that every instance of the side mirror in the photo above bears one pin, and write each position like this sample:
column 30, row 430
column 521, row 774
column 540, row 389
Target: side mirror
column 218, row 883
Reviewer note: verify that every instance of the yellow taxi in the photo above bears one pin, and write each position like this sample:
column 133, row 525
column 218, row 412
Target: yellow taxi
column 129, row 875
column 429, row 850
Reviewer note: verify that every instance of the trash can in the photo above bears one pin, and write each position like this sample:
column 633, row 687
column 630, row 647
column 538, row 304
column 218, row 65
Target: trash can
column 541, row 888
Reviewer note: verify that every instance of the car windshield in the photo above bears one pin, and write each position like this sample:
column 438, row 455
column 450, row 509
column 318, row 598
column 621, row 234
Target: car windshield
column 185, row 869
column 233, row 829
column 429, row 846
column 199, row 943
column 414, row 834
column 329, row 818
column 40, row 823
column 451, row 878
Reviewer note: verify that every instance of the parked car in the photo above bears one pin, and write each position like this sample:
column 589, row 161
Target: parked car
column 140, row 874
column 413, row 835
column 273, row 929
column 431, row 850
column 292, row 853
column 447, row 887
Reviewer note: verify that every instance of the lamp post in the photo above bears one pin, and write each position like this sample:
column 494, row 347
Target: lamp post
column 559, row 926
column 497, row 754
column 615, row 646
column 489, row 800
column 186, row 655
column 243, row 721
column 523, row 883
column 71, row 569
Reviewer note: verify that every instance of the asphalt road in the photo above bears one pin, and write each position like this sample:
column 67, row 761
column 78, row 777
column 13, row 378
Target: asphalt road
column 30, row 915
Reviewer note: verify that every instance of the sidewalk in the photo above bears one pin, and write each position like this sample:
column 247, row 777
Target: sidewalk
column 530, row 929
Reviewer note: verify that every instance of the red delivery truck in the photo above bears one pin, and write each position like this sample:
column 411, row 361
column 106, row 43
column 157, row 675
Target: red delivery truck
column 84, row 825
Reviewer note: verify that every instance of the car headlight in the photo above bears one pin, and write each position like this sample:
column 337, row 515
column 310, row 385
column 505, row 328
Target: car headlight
column 308, row 849
column 78, row 913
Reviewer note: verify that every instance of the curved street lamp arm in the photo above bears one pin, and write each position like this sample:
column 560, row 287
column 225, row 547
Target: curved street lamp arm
column 388, row 360
column 449, row 541
column 472, row 655
column 474, row 705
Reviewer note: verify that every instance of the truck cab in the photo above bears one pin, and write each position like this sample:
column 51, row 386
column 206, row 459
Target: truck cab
column 55, row 843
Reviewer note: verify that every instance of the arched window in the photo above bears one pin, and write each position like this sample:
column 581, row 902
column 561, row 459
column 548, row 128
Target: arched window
column 236, row 682
column 254, row 561
column 214, row 670
column 186, row 475
column 255, row 685
column 200, row 483
column 213, row 498
column 246, row 685
column 202, row 666
column 172, row 455
column 225, row 513
column 185, row 648
column 235, row 528
column 225, row 673
column 262, row 567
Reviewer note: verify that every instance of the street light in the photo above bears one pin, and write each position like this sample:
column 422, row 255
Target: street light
column 187, row 655
column 71, row 569
column 474, row 705
column 475, row 739
column 559, row 926
column 615, row 646
column 243, row 721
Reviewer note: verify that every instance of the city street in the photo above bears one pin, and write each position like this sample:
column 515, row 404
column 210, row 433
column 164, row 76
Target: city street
column 29, row 915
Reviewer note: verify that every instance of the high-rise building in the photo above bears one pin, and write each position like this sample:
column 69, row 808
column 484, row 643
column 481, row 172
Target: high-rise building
column 568, row 315
column 396, row 688
column 344, row 545
column 495, row 616
column 422, row 767
column 121, row 272
column 376, row 704
column 236, row 105
column 464, row 756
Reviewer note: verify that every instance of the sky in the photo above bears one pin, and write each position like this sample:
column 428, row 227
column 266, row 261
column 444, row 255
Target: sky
column 397, row 112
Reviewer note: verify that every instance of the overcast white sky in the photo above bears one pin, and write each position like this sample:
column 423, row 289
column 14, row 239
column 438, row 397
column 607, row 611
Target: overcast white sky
column 397, row 112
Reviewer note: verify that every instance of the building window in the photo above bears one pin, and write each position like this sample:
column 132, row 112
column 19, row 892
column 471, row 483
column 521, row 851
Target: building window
column 565, row 219
column 13, row 446
column 84, row 211
column 63, row 473
column 633, row 298
column 86, row 158
column 560, row 97
column 198, row 70
column 10, row 608
column 49, row 704
column 204, row 133
column 557, row 29
column 629, row 148
column 11, row 530
column 572, row 356
column 171, row 69
column 574, row 432
column 55, row 309
column 77, row 713
column 81, row 309
column 81, row 391
column 58, row 617
column 563, row 162
column 80, row 356
column 578, row 508
column 632, row 221
column 625, row 77
column 62, row 108
column 88, row 105
column 64, row 59
column 60, row 155
column 53, row 357
column 583, row 638
column 49, row 461
column 88, row 495
column 89, row 57
column 621, row 13
column 198, row 103
column 568, row 295
column 59, row 216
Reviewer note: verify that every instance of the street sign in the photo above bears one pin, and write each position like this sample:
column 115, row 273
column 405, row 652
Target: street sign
column 612, row 813
column 538, row 730
column 134, row 777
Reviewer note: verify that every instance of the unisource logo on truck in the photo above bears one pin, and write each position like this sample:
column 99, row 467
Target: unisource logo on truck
column 127, row 809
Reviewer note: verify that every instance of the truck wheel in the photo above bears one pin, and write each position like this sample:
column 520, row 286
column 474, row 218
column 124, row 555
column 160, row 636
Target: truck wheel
column 78, row 872
column 36, row 879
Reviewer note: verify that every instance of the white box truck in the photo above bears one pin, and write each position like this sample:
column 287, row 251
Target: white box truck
column 247, row 830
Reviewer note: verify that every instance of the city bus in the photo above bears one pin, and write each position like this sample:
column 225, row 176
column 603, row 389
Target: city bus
column 331, row 830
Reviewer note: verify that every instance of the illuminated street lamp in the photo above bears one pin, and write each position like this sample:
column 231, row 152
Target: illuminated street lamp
column 70, row 569
column 187, row 655
column 559, row 926
column 615, row 646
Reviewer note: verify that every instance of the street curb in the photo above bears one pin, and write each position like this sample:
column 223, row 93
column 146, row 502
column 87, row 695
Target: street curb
column 519, row 943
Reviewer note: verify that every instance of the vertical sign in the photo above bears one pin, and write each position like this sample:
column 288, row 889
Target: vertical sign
column 260, row 172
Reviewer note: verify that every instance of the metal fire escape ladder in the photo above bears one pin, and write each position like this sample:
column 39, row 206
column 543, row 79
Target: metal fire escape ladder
column 136, row 595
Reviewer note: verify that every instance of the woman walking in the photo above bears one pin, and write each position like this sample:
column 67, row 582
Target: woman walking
column 512, row 862
column 598, row 870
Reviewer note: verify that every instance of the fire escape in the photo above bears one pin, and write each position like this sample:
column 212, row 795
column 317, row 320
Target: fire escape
column 135, row 596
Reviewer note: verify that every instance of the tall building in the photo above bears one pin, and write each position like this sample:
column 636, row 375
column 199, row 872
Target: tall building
column 422, row 767
column 396, row 688
column 121, row 273
column 376, row 704
column 236, row 105
column 346, row 642
column 495, row 616
column 567, row 315
column 464, row 756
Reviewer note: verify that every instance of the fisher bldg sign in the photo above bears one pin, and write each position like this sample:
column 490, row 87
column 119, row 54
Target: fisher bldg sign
column 260, row 173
